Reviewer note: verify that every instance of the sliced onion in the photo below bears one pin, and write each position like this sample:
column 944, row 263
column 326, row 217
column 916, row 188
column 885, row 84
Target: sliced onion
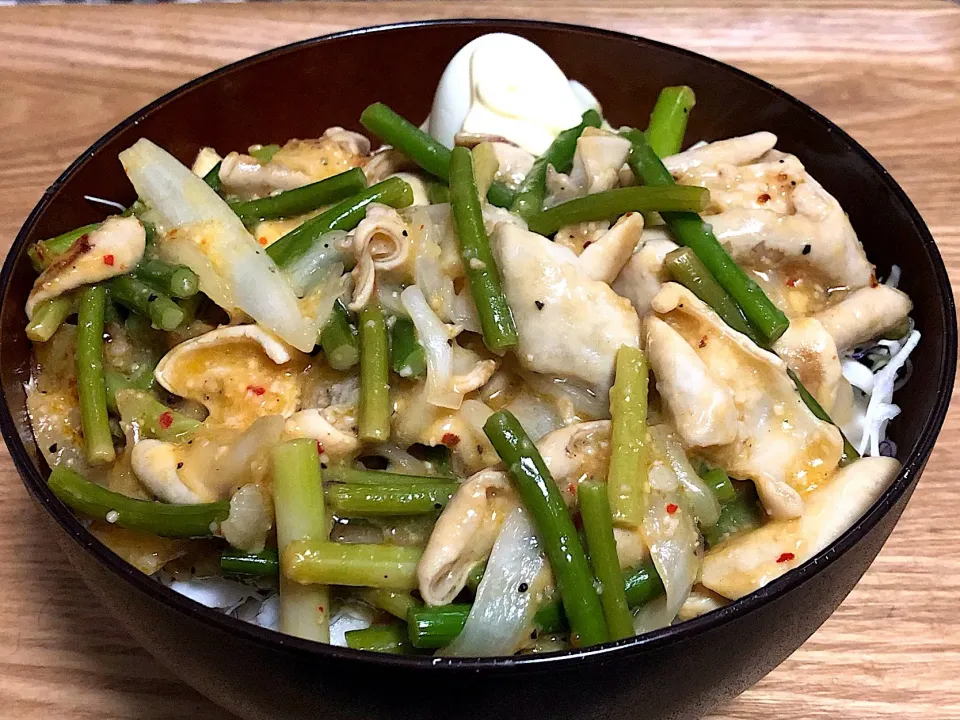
column 234, row 270
column 437, row 243
column 499, row 621
column 586, row 404
column 536, row 416
column 705, row 506
column 312, row 266
column 674, row 545
column 435, row 338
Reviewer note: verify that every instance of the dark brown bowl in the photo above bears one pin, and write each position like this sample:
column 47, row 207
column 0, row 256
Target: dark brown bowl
column 682, row 671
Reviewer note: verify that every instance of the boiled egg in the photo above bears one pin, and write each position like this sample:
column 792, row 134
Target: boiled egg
column 505, row 85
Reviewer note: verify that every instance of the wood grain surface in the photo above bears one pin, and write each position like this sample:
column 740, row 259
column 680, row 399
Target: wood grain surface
column 887, row 72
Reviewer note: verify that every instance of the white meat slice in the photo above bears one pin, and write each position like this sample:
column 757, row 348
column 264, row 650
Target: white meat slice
column 238, row 372
column 809, row 350
column 381, row 243
column 644, row 274
column 748, row 562
column 319, row 424
column 597, row 160
column 702, row 408
column 780, row 445
column 112, row 249
column 569, row 325
column 767, row 210
column 155, row 464
column 864, row 314
column 733, row 151
column 604, row 258
column 464, row 535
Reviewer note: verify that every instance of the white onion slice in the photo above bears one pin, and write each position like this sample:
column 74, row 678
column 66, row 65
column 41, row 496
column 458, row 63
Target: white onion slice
column 434, row 335
column 702, row 501
column 499, row 621
column 674, row 544
column 234, row 271
column 312, row 267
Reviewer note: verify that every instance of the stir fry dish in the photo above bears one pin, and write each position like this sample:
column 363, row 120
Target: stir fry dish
column 516, row 380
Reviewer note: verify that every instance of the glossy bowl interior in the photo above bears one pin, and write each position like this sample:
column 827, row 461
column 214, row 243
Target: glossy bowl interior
column 298, row 91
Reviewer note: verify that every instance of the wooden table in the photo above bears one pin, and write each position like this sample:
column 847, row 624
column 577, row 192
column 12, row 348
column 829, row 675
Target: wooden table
column 888, row 72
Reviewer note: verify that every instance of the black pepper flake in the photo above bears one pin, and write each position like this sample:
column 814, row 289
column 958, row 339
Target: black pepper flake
column 152, row 298
column 404, row 233
column 782, row 160
column 539, row 304
column 52, row 448
column 179, row 466
column 437, row 506
column 523, row 587
column 479, row 449
column 806, row 249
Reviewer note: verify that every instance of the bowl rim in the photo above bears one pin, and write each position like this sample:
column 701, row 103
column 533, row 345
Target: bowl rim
column 277, row 641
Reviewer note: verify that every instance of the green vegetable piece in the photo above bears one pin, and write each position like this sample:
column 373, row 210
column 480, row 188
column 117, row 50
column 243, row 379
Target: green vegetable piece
column 387, row 500
column 302, row 200
column 529, row 198
column 345, row 215
column 598, row 527
column 717, row 480
column 611, row 204
column 178, row 281
column 398, row 604
column 264, row 153
column 49, row 315
column 91, row 385
column 686, row 268
column 421, row 148
column 407, row 357
column 391, row 639
column 626, row 477
column 44, row 252
column 542, row 499
column 175, row 521
column 362, row 476
column 496, row 318
column 301, row 515
column 137, row 296
column 738, row 516
column 154, row 419
column 265, row 563
column 374, row 375
column 212, row 178
column 378, row 566
column 339, row 340
column 436, row 627
column 668, row 121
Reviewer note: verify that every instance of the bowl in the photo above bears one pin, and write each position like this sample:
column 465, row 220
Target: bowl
column 682, row 671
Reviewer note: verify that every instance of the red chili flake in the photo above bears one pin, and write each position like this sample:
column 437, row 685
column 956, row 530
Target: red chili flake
column 320, row 450
column 786, row 557
column 793, row 282
column 703, row 342
column 256, row 389
column 165, row 419
column 320, row 608
column 763, row 198
column 572, row 487
column 450, row 440
column 108, row 260
column 262, row 241
column 672, row 508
